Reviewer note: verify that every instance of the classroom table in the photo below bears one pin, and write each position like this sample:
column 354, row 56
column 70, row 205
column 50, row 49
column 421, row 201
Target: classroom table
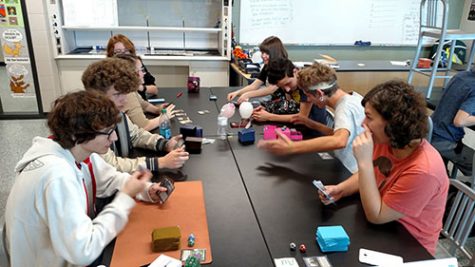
column 258, row 203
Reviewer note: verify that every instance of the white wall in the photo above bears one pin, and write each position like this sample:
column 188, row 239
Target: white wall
column 42, row 48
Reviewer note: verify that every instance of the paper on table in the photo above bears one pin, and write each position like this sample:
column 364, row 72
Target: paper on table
column 399, row 63
column 164, row 260
column 286, row 262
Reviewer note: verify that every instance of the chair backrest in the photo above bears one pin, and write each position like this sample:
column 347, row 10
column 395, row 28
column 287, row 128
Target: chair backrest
column 460, row 220
column 434, row 14
column 330, row 118
column 430, row 128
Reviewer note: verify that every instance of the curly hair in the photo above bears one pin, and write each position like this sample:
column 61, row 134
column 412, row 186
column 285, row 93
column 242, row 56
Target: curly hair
column 278, row 69
column 129, row 57
column 119, row 38
column 104, row 74
column 76, row 117
column 273, row 46
column 403, row 108
column 315, row 74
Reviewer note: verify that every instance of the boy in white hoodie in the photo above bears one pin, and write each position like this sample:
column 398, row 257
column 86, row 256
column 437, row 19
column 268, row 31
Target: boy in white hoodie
column 50, row 216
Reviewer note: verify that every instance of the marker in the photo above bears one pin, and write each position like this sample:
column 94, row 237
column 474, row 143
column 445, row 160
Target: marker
column 179, row 94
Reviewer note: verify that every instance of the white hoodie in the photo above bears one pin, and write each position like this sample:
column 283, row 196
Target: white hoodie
column 46, row 213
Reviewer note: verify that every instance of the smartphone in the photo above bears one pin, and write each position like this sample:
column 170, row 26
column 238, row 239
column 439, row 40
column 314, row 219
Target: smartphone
column 169, row 185
column 319, row 185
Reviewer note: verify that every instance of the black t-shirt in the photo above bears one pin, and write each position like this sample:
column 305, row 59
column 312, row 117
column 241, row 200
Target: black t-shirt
column 263, row 75
column 148, row 79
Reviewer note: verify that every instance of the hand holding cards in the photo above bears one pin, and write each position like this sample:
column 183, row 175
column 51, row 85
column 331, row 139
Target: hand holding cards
column 319, row 185
column 168, row 184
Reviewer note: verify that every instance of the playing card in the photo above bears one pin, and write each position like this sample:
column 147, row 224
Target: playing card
column 317, row 261
column 186, row 121
column 200, row 252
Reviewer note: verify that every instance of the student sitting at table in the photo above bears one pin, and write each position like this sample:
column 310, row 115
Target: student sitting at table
column 284, row 74
column 321, row 89
column 401, row 176
column 120, row 44
column 270, row 48
column 115, row 78
column 455, row 111
column 50, row 219
column 135, row 105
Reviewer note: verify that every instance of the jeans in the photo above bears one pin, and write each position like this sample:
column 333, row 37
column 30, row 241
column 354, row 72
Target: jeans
column 457, row 153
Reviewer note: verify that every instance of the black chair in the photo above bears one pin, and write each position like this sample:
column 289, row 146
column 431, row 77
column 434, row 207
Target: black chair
column 458, row 225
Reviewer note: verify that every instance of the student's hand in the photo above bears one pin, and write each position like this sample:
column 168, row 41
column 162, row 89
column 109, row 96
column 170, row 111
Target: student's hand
column 170, row 110
column 173, row 142
column 280, row 146
column 137, row 182
column 243, row 98
column 260, row 114
column 300, row 119
column 152, row 89
column 334, row 191
column 153, row 191
column 233, row 95
column 174, row 159
column 363, row 147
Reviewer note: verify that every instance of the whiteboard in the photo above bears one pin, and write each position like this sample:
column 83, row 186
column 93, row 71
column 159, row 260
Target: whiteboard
column 330, row 22
column 90, row 13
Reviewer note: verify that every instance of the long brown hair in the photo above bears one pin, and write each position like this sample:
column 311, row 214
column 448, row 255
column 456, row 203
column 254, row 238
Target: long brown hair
column 120, row 38
column 274, row 47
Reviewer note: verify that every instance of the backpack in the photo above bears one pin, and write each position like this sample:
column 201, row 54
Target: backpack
column 459, row 56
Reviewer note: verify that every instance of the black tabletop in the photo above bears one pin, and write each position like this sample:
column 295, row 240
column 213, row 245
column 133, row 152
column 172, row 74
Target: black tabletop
column 257, row 203
column 288, row 208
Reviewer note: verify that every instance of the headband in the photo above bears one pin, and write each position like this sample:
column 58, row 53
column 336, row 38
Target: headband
column 322, row 86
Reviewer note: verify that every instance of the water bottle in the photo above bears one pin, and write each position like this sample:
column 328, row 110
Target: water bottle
column 165, row 130
column 222, row 127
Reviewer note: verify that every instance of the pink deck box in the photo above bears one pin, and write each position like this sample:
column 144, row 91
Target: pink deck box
column 270, row 133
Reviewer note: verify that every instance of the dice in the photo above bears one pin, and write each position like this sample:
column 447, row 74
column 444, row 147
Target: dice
column 292, row 246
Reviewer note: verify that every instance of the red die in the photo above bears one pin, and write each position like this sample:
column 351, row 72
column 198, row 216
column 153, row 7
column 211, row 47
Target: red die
column 303, row 248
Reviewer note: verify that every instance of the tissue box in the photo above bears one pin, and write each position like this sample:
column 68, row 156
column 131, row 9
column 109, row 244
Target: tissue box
column 191, row 130
column 332, row 238
column 166, row 238
column 246, row 136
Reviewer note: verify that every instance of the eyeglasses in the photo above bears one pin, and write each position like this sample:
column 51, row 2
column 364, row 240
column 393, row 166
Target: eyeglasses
column 141, row 69
column 108, row 133
column 121, row 51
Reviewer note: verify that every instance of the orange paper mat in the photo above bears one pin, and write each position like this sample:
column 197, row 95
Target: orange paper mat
column 185, row 208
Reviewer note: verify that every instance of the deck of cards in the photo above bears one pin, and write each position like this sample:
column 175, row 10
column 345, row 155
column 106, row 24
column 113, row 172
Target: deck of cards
column 319, row 185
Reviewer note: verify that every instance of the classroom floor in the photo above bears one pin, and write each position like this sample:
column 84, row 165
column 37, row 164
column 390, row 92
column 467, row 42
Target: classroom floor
column 16, row 139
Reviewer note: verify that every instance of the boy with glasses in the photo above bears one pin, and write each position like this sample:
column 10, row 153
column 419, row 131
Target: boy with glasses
column 50, row 216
